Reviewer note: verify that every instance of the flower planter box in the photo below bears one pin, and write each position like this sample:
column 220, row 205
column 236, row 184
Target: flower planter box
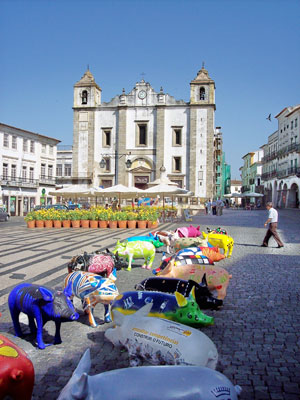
column 48, row 224
column 103, row 224
column 66, row 223
column 85, row 223
column 131, row 224
column 39, row 223
column 30, row 224
column 57, row 224
column 75, row 223
column 93, row 224
column 113, row 224
column 122, row 224
column 142, row 224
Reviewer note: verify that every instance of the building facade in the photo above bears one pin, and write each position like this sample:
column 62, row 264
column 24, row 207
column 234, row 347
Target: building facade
column 281, row 161
column 28, row 165
column 64, row 165
column 151, row 129
column 226, row 177
column 251, row 173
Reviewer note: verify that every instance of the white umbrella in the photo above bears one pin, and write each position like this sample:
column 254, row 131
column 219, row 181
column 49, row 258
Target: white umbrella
column 252, row 194
column 70, row 191
column 121, row 191
column 164, row 189
column 233, row 195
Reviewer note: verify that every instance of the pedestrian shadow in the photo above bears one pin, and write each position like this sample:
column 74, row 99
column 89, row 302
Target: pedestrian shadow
column 247, row 244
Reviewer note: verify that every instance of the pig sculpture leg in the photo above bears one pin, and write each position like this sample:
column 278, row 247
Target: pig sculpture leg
column 89, row 309
column 107, row 317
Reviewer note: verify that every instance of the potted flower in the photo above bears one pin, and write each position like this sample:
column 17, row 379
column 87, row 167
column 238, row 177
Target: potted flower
column 84, row 219
column 131, row 219
column 66, row 222
column 75, row 218
column 122, row 219
column 112, row 219
column 48, row 219
column 57, row 218
column 152, row 219
column 39, row 219
column 103, row 218
column 142, row 218
column 30, row 219
column 93, row 217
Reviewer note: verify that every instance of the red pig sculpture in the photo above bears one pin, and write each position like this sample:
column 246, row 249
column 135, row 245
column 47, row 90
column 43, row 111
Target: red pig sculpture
column 16, row 371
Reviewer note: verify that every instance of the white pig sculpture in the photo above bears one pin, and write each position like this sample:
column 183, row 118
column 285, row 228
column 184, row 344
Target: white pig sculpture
column 148, row 383
column 160, row 341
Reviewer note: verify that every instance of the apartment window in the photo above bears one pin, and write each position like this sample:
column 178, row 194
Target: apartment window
column 5, row 171
column 14, row 142
column 24, row 173
column 5, row 140
column 25, row 145
column 177, row 164
column 84, row 97
column 292, row 124
column 202, row 93
column 50, row 149
column 31, row 174
column 43, row 148
column 68, row 169
column 236, row 189
column 13, row 171
column 50, row 171
column 43, row 170
column 31, row 146
column 142, row 135
column 107, row 139
column 58, row 169
column 296, row 122
column 107, row 164
column 177, row 137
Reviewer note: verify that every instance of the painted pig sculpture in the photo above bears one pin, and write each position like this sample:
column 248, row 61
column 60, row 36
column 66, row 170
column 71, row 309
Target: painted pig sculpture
column 184, row 242
column 188, row 231
column 16, row 371
column 220, row 240
column 41, row 304
column 136, row 250
column 160, row 341
column 217, row 277
column 151, row 238
column 174, row 307
column 92, row 289
column 217, row 230
column 97, row 263
column 150, row 383
column 203, row 296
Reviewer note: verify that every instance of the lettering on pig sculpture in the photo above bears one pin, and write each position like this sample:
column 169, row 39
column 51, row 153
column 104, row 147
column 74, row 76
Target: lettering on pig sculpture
column 136, row 250
column 173, row 307
column 148, row 383
column 160, row 341
column 41, row 304
column 93, row 289
column 16, row 371
column 203, row 296
column 220, row 240
column 217, row 277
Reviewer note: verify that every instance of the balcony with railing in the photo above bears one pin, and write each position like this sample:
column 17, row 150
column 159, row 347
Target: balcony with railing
column 245, row 188
column 269, row 157
column 47, row 180
column 288, row 149
column 6, row 180
column 268, row 175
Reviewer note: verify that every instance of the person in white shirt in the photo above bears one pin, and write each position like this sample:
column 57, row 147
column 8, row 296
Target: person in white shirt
column 272, row 228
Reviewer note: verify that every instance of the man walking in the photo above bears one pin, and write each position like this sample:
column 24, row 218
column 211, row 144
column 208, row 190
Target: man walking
column 272, row 230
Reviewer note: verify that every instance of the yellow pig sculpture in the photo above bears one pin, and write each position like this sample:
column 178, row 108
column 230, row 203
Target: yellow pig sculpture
column 219, row 240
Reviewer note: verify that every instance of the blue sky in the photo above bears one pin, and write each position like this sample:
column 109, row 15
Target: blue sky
column 250, row 48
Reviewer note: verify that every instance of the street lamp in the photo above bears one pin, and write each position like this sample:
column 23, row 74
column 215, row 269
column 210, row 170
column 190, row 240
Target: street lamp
column 128, row 162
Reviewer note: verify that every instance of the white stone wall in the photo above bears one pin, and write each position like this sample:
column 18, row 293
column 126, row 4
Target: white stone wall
column 201, row 163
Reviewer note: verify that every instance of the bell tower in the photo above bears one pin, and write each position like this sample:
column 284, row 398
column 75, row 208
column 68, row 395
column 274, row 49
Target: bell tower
column 87, row 97
column 202, row 89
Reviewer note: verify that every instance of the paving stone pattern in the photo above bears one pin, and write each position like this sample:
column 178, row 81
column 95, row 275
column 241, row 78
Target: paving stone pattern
column 257, row 332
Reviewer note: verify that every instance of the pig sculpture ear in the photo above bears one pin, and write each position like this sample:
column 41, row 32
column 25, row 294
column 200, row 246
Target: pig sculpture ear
column 181, row 300
column 84, row 365
column 144, row 311
column 204, row 234
column 80, row 388
column 192, row 294
column 204, row 281
column 68, row 290
column 118, row 317
column 47, row 295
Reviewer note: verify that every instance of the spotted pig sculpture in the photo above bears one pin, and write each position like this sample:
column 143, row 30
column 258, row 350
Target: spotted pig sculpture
column 184, row 242
column 151, row 238
column 136, row 250
column 16, row 371
column 160, row 341
column 220, row 240
column 203, row 296
column 148, row 383
column 93, row 289
column 41, row 304
column 174, row 307
column 217, row 277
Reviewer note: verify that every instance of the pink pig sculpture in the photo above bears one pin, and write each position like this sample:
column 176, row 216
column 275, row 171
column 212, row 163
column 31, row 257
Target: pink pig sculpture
column 188, row 231
column 217, row 277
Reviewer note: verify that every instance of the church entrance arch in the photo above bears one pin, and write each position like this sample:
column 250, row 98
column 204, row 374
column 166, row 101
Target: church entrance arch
column 141, row 170
column 293, row 200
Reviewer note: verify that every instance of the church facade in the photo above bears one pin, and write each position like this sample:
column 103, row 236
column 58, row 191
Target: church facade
column 137, row 135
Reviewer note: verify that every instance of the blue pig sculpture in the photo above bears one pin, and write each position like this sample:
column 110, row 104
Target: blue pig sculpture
column 41, row 304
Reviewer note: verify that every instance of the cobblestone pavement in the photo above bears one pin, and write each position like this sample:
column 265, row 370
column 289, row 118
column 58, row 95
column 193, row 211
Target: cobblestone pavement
column 257, row 332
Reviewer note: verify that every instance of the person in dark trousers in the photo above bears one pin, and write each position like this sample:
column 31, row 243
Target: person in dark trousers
column 272, row 229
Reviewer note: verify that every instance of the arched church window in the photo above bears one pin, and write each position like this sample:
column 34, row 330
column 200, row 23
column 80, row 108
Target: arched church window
column 202, row 93
column 84, row 97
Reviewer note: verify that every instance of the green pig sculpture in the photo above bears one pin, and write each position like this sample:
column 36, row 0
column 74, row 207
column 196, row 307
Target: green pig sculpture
column 136, row 250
